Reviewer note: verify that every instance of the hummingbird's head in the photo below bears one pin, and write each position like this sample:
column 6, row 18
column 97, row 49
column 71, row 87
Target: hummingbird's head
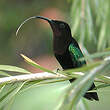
column 59, row 28
column 61, row 32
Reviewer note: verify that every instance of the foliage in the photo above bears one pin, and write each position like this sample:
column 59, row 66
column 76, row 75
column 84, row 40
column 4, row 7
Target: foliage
column 73, row 93
column 90, row 19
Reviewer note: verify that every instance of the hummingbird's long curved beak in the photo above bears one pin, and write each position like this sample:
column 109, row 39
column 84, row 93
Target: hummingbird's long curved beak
column 34, row 17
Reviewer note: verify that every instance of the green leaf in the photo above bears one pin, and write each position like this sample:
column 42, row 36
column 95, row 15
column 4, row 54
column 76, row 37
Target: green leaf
column 96, row 55
column 104, row 79
column 84, row 68
column 33, row 84
column 34, row 64
column 82, row 105
column 13, row 68
column 4, row 73
column 9, row 104
column 2, row 87
column 102, row 86
column 10, row 94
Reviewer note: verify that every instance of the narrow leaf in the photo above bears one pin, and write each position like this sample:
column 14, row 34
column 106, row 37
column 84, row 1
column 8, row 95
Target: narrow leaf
column 4, row 73
column 102, row 86
column 34, row 64
column 2, row 87
column 82, row 105
column 13, row 68
column 10, row 94
column 84, row 68
column 96, row 55
column 105, row 79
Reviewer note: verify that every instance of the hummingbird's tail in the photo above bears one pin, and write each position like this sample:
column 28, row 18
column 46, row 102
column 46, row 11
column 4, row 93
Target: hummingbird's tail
column 91, row 96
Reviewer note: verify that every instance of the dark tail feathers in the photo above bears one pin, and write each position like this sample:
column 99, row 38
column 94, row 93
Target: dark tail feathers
column 91, row 96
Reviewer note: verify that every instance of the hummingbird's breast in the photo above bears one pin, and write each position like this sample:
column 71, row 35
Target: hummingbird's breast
column 65, row 60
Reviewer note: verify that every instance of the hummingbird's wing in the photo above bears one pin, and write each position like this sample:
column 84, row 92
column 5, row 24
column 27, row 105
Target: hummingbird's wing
column 76, row 54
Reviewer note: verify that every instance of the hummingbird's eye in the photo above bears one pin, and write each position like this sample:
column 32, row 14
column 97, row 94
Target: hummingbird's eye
column 62, row 25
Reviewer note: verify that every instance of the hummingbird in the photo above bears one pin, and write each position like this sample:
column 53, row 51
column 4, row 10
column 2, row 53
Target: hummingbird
column 66, row 49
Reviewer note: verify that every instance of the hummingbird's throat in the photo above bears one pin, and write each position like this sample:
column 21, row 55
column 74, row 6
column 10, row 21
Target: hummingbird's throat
column 60, row 44
column 56, row 32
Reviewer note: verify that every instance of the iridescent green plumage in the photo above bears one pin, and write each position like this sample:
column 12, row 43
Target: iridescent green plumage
column 76, row 54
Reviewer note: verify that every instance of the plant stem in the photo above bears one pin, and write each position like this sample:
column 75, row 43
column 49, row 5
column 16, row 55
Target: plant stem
column 30, row 77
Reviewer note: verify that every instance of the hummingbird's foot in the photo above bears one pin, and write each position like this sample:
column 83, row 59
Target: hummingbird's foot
column 58, row 70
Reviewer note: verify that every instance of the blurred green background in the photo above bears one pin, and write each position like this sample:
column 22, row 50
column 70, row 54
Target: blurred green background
column 90, row 24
